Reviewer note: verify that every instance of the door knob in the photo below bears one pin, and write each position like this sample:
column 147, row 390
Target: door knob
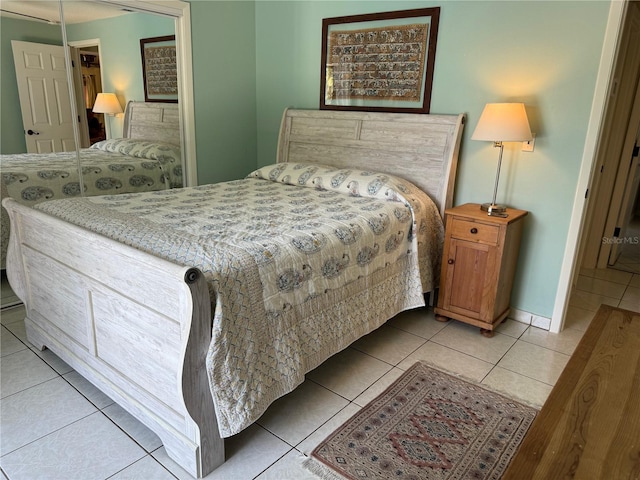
column 31, row 132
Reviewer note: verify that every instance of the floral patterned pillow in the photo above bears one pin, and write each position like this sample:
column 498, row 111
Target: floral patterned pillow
column 358, row 183
column 292, row 173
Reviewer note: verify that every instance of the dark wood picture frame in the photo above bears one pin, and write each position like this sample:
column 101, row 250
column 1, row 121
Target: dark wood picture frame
column 379, row 62
column 159, row 69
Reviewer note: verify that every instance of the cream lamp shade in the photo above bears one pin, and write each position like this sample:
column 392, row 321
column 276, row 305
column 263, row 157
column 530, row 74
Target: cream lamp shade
column 501, row 122
column 107, row 103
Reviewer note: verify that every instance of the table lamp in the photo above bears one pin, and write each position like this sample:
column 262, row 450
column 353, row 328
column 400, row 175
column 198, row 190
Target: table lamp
column 107, row 103
column 501, row 122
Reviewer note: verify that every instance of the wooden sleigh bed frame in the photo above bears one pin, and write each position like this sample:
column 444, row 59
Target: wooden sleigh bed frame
column 139, row 327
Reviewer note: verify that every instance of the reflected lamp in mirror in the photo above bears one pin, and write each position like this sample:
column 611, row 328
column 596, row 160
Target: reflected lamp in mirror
column 107, row 103
column 501, row 122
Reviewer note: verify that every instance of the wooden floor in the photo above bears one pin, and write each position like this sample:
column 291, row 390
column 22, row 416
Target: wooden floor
column 589, row 428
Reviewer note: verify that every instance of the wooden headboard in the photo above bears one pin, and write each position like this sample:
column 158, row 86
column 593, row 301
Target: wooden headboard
column 158, row 121
column 420, row 148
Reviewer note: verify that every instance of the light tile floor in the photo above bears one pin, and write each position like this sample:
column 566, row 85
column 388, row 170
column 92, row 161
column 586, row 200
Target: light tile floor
column 56, row 426
column 7, row 297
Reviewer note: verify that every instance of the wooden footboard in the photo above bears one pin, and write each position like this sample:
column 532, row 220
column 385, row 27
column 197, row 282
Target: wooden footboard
column 138, row 327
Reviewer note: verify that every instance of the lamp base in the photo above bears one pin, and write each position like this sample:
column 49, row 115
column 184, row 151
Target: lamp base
column 493, row 208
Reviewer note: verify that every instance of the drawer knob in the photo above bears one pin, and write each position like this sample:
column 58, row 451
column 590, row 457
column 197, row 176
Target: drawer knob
column 450, row 261
column 474, row 230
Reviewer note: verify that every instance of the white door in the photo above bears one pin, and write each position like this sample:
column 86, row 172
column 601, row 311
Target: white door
column 43, row 89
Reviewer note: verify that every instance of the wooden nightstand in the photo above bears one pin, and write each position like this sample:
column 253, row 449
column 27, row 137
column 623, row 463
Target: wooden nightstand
column 478, row 266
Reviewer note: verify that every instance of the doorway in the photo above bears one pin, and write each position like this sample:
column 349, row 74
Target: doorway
column 612, row 228
column 91, row 87
column 87, row 83
column 622, row 250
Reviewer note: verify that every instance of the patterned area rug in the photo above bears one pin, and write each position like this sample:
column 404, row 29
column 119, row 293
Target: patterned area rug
column 427, row 425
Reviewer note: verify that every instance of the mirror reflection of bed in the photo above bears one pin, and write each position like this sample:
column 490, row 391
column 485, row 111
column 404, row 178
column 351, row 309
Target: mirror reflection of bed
column 91, row 28
column 147, row 158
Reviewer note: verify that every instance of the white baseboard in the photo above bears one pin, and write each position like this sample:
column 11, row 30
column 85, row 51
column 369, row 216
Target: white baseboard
column 530, row 319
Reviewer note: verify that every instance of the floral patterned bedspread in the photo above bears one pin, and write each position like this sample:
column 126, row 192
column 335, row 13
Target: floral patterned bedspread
column 300, row 261
column 111, row 166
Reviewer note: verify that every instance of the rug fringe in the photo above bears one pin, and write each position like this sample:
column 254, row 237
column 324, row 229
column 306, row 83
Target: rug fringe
column 320, row 469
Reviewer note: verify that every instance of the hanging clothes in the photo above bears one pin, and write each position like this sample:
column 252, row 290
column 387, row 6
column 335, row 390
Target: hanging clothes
column 90, row 90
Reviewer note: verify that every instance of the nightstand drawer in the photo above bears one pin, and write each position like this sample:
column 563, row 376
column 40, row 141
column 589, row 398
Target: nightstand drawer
column 474, row 231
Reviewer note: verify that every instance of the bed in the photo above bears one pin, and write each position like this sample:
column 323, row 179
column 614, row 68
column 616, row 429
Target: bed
column 196, row 327
column 147, row 158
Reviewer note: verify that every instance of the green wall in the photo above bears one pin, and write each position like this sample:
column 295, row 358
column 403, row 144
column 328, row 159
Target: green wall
column 11, row 130
column 543, row 53
column 224, row 68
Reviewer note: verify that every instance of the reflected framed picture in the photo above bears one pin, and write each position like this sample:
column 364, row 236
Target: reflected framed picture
column 380, row 61
column 159, row 69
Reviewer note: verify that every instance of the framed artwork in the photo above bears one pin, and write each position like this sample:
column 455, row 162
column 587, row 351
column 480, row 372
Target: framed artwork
column 159, row 69
column 380, row 61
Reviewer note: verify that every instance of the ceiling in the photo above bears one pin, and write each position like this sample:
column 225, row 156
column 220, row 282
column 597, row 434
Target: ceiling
column 74, row 11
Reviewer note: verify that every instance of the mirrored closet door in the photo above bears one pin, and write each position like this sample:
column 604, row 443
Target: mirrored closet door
column 130, row 136
column 104, row 40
